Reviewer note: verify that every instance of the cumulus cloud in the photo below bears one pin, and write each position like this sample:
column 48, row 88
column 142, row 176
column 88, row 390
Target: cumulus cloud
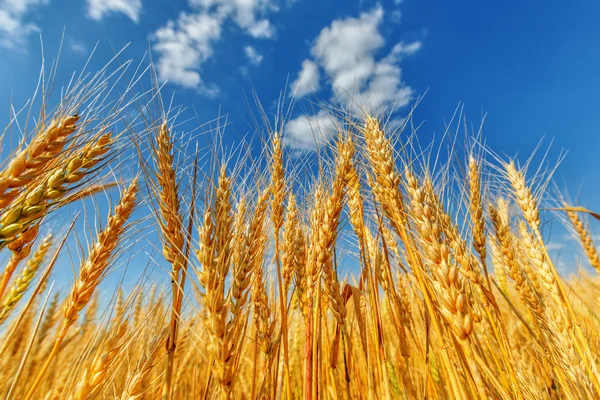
column 15, row 26
column 360, row 78
column 307, row 132
column 98, row 9
column 253, row 55
column 345, row 50
column 308, row 79
column 248, row 14
column 185, row 44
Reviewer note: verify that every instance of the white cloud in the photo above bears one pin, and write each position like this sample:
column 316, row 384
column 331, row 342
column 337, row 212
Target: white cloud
column 346, row 49
column 14, row 27
column 348, row 52
column 307, row 132
column 76, row 45
column 308, row 79
column 253, row 55
column 186, row 44
column 248, row 14
column 98, row 9
column 261, row 29
column 554, row 246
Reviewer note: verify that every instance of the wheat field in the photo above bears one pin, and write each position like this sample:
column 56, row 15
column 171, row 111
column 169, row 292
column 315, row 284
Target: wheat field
column 383, row 273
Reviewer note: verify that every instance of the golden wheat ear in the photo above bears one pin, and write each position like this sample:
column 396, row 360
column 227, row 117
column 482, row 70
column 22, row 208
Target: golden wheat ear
column 584, row 238
column 33, row 204
column 92, row 271
column 22, row 283
column 32, row 161
column 137, row 385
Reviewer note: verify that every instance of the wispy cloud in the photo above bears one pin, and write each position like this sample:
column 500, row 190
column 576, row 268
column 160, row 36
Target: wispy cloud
column 15, row 22
column 250, row 15
column 98, row 9
column 308, row 79
column 185, row 44
column 308, row 131
column 347, row 53
column 76, row 46
column 554, row 246
column 253, row 55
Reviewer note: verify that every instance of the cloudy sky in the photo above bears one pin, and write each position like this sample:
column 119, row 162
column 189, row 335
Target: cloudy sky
column 533, row 67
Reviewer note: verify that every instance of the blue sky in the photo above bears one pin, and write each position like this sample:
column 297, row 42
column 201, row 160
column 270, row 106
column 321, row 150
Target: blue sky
column 532, row 67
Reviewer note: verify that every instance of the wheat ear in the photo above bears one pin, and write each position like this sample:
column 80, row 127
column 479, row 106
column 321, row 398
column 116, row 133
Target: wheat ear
column 585, row 239
column 136, row 387
column 215, row 255
column 95, row 374
column 28, row 164
column 22, row 283
column 92, row 271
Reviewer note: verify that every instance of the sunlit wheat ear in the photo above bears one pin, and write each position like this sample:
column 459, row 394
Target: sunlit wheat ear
column 52, row 314
column 119, row 306
column 248, row 259
column 215, row 254
column 314, row 255
column 585, row 239
column 264, row 318
column 249, row 254
column 92, row 270
column 506, row 245
column 137, row 308
column 89, row 317
column 278, row 189
column 278, row 193
column 329, row 228
column 300, row 254
column 324, row 222
column 355, row 202
column 34, row 203
column 454, row 304
column 20, row 248
column 541, row 268
column 171, row 223
column 22, row 282
column 386, row 180
column 476, row 209
column 523, row 195
column 29, row 163
column 96, row 374
column 463, row 257
column 137, row 385
column 288, row 250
